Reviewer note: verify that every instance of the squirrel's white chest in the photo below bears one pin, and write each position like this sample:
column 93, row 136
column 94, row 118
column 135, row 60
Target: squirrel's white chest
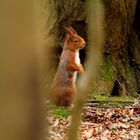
column 77, row 61
column 77, row 58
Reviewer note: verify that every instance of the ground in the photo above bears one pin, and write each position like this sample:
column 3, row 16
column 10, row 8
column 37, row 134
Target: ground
column 97, row 123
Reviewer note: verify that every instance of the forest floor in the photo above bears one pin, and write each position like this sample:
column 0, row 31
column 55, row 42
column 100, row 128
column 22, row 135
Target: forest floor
column 98, row 123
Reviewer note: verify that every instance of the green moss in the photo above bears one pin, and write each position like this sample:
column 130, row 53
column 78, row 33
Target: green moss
column 104, row 84
column 60, row 112
column 120, row 98
column 103, row 97
column 106, row 72
column 99, row 97
column 109, row 101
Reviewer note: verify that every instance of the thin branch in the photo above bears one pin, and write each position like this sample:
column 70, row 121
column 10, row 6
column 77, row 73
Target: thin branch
column 95, row 33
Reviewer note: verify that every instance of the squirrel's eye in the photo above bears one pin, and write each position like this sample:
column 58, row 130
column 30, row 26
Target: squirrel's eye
column 75, row 41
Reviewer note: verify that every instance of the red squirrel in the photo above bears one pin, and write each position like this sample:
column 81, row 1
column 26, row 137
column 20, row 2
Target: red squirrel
column 63, row 87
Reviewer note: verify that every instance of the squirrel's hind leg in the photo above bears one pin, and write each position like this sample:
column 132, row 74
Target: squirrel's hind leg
column 65, row 102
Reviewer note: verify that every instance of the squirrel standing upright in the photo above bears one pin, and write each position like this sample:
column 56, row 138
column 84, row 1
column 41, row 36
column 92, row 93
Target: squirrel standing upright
column 63, row 86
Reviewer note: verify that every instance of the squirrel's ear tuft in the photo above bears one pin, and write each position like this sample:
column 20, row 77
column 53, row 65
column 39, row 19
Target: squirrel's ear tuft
column 74, row 32
column 70, row 30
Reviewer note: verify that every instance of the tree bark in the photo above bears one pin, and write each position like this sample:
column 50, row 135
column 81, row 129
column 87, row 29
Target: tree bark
column 120, row 43
column 134, row 46
column 122, row 36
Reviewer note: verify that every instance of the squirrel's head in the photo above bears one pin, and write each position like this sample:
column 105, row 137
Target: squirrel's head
column 75, row 42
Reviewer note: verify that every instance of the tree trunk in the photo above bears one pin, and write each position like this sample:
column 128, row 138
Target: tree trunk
column 122, row 35
column 121, row 45
column 134, row 46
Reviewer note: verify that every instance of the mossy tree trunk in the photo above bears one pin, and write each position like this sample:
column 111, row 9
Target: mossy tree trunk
column 121, row 44
column 122, row 35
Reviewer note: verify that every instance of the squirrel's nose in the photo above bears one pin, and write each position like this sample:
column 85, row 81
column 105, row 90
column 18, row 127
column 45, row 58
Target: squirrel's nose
column 84, row 44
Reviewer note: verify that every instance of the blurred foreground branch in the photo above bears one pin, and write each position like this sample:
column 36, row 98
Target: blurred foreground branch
column 95, row 38
column 20, row 88
column 48, row 17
